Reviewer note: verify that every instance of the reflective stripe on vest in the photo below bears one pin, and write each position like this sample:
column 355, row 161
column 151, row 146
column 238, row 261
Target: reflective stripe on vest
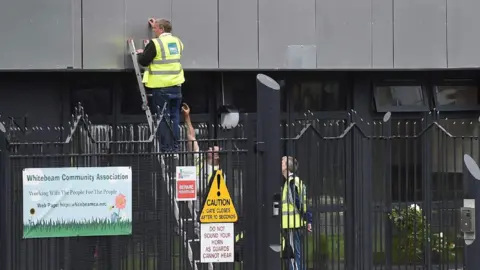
column 165, row 69
column 291, row 216
column 239, row 237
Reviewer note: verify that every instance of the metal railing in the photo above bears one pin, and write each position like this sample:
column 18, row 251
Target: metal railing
column 383, row 195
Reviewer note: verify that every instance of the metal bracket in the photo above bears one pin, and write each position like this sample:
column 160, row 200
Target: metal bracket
column 259, row 147
column 467, row 221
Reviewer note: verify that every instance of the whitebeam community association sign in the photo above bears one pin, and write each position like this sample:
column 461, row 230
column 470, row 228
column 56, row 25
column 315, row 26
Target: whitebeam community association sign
column 79, row 201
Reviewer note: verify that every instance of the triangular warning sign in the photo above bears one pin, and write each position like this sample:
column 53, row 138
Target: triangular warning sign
column 218, row 206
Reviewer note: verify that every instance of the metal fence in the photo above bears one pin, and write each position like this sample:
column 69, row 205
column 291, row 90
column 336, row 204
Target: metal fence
column 383, row 194
column 165, row 232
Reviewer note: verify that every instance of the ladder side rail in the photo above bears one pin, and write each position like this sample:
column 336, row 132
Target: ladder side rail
column 141, row 87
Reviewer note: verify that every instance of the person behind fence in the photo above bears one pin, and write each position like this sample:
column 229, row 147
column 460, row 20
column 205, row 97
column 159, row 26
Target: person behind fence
column 164, row 76
column 205, row 167
column 295, row 215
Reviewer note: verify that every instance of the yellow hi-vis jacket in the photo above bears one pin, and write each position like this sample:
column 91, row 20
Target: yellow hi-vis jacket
column 165, row 69
column 292, row 217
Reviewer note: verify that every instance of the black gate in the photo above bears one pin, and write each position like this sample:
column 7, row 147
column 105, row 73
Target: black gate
column 383, row 194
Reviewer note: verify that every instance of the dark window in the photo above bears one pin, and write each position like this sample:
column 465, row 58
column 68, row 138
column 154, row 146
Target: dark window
column 318, row 96
column 198, row 90
column 95, row 100
column 243, row 90
column 457, row 97
column 400, row 98
column 131, row 102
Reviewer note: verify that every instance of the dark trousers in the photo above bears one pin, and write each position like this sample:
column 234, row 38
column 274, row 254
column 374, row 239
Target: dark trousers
column 172, row 96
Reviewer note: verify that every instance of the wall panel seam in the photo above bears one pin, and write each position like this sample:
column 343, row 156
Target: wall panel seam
column 446, row 33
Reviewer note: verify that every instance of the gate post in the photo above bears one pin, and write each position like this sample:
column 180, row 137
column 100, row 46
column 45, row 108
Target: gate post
column 269, row 180
column 472, row 191
column 6, row 213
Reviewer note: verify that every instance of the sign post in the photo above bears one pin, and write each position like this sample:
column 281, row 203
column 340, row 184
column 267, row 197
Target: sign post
column 217, row 217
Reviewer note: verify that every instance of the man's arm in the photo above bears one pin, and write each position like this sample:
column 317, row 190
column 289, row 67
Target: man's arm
column 192, row 143
column 147, row 56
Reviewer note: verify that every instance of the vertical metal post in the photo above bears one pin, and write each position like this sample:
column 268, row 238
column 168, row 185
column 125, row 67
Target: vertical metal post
column 472, row 191
column 249, row 193
column 6, row 210
column 268, row 144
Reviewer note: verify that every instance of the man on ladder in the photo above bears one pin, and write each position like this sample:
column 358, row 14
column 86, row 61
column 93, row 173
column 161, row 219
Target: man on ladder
column 164, row 76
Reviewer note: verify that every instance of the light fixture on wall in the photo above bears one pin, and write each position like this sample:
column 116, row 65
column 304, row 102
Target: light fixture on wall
column 472, row 166
column 386, row 117
column 229, row 116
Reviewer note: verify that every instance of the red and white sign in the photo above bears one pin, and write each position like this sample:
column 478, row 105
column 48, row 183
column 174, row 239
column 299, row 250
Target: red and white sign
column 217, row 242
column 186, row 183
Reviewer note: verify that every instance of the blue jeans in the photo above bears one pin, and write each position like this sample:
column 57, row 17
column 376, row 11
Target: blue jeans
column 296, row 240
column 173, row 97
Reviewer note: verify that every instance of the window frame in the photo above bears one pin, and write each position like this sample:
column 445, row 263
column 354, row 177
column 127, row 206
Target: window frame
column 455, row 108
column 406, row 108
column 299, row 81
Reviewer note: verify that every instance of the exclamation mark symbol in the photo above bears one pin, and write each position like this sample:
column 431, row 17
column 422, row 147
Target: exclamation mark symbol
column 218, row 185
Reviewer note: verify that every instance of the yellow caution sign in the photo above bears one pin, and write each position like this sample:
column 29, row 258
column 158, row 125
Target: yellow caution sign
column 218, row 206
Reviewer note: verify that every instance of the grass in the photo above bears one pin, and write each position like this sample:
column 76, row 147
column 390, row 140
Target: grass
column 400, row 258
column 331, row 247
column 60, row 228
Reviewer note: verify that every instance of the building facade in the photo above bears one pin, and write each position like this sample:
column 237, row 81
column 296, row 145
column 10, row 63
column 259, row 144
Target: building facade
column 332, row 58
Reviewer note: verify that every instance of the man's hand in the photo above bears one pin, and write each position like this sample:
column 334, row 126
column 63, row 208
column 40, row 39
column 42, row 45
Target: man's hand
column 309, row 227
column 139, row 51
column 185, row 109
column 152, row 21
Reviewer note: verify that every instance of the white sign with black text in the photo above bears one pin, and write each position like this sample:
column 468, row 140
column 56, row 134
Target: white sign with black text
column 217, row 242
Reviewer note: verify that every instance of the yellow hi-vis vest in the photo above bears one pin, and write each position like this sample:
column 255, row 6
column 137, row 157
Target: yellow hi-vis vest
column 291, row 216
column 165, row 69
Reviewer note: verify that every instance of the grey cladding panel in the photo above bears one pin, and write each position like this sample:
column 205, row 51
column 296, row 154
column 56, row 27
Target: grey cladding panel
column 238, row 39
column 344, row 34
column 420, row 34
column 103, row 36
column 137, row 13
column 462, row 28
column 196, row 24
column 284, row 23
column 38, row 34
column 382, row 33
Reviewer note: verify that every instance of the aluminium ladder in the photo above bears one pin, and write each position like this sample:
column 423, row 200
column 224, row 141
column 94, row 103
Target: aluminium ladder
column 191, row 240
column 138, row 73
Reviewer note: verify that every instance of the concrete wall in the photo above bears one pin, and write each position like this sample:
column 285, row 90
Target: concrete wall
column 247, row 34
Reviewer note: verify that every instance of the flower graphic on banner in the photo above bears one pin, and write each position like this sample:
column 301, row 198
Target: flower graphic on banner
column 32, row 214
column 120, row 203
